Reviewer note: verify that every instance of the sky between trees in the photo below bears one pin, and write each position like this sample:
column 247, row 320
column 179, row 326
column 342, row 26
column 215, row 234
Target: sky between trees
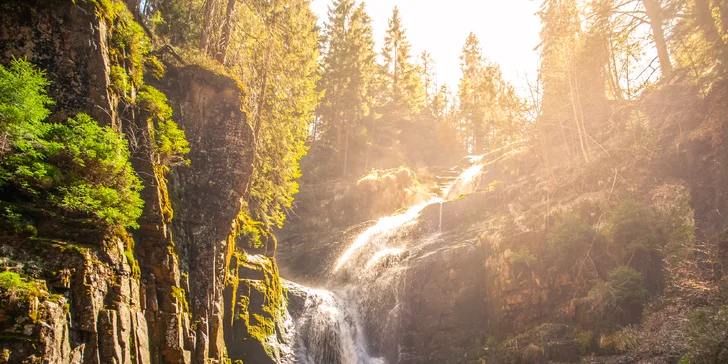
column 508, row 31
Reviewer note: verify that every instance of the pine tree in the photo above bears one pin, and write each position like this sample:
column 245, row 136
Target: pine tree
column 348, row 67
column 489, row 107
column 427, row 69
column 472, row 93
column 404, row 93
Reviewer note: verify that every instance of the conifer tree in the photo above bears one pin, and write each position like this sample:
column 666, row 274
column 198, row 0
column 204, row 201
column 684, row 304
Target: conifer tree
column 403, row 93
column 348, row 67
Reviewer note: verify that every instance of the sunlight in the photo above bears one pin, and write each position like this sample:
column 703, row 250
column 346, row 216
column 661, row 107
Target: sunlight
column 382, row 254
column 384, row 227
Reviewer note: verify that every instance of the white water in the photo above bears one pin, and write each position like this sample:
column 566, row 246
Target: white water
column 366, row 279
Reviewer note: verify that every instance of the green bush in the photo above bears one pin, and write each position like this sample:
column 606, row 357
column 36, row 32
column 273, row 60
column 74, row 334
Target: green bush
column 77, row 166
column 23, row 99
column 521, row 256
column 633, row 228
column 169, row 140
column 628, row 286
column 569, row 240
column 120, row 82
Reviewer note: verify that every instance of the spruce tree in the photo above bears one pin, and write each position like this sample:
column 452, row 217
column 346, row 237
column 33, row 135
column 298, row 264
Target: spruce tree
column 348, row 68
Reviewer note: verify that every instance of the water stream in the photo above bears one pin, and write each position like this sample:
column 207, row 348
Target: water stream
column 358, row 320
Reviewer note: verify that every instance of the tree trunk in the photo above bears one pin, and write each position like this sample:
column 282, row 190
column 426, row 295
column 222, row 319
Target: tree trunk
column 706, row 23
column 133, row 6
column 654, row 12
column 226, row 31
column 258, row 122
column 206, row 24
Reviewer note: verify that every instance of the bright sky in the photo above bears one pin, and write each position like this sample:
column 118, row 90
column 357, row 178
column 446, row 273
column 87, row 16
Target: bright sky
column 508, row 31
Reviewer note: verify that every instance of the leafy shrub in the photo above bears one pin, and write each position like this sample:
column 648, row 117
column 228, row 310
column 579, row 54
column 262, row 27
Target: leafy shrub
column 628, row 286
column 569, row 240
column 602, row 297
column 23, row 99
column 169, row 140
column 77, row 166
column 632, row 228
column 522, row 256
column 120, row 82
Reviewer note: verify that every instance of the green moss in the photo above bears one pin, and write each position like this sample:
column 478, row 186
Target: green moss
column 181, row 296
column 25, row 288
column 261, row 327
column 167, row 211
column 120, row 82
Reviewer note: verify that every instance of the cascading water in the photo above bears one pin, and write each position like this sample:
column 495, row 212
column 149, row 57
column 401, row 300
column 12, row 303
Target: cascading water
column 358, row 321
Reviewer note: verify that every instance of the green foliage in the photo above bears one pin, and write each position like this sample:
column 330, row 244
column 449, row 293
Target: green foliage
column 583, row 339
column 628, row 286
column 602, row 297
column 488, row 104
column 254, row 234
column 20, row 286
column 251, row 233
column 632, row 228
column 23, row 99
column 521, row 256
column 622, row 340
column 169, row 140
column 181, row 296
column 179, row 22
column 128, row 45
column 76, row 166
column 280, row 84
column 120, row 82
column 569, row 240
column 707, row 331
column 347, row 78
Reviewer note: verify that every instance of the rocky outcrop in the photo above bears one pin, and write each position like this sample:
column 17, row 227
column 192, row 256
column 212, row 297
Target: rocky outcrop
column 68, row 41
column 206, row 197
column 155, row 294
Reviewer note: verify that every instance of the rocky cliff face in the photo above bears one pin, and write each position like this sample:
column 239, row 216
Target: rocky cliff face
column 154, row 294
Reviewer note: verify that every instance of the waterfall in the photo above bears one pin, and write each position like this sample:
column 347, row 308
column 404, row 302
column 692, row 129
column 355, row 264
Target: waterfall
column 358, row 320
column 329, row 332
column 439, row 225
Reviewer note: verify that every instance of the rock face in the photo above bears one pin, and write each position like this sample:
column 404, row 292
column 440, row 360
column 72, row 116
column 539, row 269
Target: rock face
column 153, row 295
column 70, row 43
